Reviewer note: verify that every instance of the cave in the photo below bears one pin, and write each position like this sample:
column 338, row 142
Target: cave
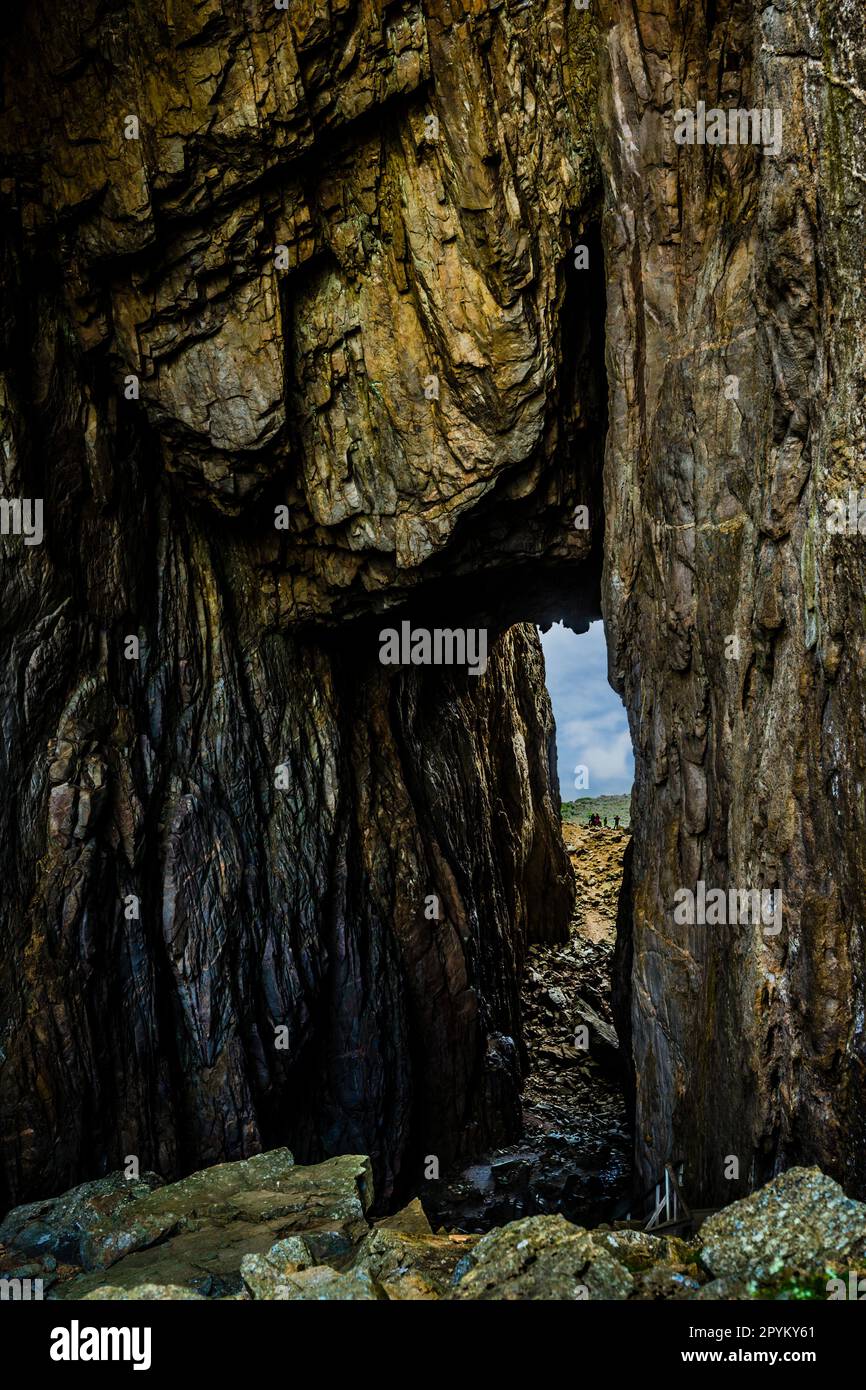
column 324, row 319
column 241, row 811
column 570, row 1151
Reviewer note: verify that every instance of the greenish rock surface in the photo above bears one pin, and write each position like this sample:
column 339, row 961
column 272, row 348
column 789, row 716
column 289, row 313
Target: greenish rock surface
column 801, row 1221
column 263, row 1273
column 198, row 1234
column 666, row 1282
column 785, row 1285
column 411, row 1220
column 267, row 1229
column 59, row 1227
column 414, row 1265
column 639, row 1250
column 320, row 1283
column 540, row 1258
column 159, row 1293
column 227, row 1190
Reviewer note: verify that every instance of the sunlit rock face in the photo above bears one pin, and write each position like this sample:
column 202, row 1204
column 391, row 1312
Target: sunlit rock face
column 313, row 267
column 735, row 351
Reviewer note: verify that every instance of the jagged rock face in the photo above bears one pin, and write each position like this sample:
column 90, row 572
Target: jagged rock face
column 326, row 208
column 333, row 273
column 736, row 361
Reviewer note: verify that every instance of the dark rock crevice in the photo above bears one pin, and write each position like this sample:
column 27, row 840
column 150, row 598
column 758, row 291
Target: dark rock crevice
column 169, row 909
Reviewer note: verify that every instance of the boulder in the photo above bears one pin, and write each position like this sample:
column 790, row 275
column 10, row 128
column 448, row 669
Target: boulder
column 639, row 1250
column 224, row 1191
column 801, row 1221
column 603, row 1042
column 411, row 1220
column 261, row 1273
column 199, row 1231
column 541, row 1258
column 58, row 1227
column 289, row 1271
column 414, row 1265
column 667, row 1282
column 320, row 1283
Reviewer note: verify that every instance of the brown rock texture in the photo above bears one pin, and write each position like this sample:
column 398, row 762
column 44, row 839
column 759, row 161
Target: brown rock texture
column 735, row 352
column 292, row 342
column 294, row 345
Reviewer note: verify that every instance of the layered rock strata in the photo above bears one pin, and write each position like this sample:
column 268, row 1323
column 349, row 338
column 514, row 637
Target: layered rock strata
column 292, row 340
column 734, row 610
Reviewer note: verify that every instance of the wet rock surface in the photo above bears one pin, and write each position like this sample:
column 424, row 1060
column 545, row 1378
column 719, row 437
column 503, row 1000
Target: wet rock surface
column 575, row 1155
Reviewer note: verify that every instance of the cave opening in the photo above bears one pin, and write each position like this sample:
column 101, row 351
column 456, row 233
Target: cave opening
column 499, row 1087
column 573, row 1152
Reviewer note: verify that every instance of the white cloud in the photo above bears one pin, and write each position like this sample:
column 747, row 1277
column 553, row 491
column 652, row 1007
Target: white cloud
column 591, row 724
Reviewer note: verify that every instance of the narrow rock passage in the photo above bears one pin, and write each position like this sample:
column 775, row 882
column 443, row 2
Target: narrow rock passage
column 575, row 1156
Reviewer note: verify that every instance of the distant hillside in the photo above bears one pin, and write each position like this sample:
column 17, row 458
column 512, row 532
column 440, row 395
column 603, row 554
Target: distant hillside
column 578, row 812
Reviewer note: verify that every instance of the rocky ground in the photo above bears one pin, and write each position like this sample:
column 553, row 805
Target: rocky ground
column 534, row 1221
column 575, row 1154
column 267, row 1229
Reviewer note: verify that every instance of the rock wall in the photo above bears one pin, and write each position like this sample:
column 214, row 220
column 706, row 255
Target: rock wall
column 292, row 338
column 735, row 353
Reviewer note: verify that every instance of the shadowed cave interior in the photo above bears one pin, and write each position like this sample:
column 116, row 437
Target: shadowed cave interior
column 314, row 921
column 324, row 318
column 558, row 1135
column 574, row 1152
